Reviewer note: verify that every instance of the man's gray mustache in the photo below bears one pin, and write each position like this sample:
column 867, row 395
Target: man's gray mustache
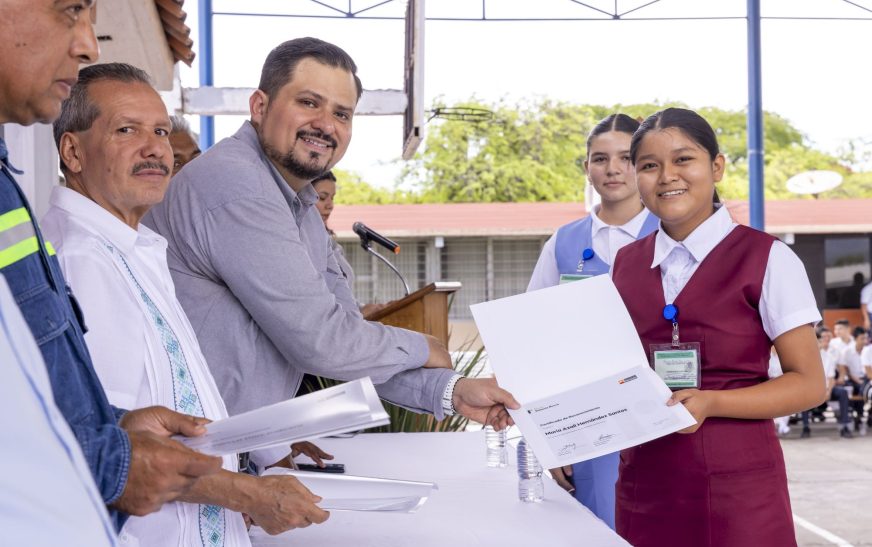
column 151, row 165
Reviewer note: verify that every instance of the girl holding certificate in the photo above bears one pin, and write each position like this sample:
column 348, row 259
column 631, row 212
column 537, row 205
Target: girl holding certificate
column 709, row 298
column 586, row 248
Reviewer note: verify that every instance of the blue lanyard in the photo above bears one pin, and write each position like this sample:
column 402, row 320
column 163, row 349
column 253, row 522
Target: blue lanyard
column 670, row 313
column 586, row 254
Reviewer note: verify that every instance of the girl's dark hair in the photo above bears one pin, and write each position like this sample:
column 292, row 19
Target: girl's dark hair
column 326, row 176
column 687, row 121
column 694, row 126
column 614, row 122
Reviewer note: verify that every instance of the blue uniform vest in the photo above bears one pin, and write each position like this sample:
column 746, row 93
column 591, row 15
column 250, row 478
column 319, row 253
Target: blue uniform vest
column 575, row 237
column 594, row 479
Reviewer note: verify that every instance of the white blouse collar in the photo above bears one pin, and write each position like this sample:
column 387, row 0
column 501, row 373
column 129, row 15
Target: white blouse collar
column 632, row 228
column 700, row 242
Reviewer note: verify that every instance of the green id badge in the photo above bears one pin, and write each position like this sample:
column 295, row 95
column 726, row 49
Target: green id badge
column 679, row 367
column 569, row 278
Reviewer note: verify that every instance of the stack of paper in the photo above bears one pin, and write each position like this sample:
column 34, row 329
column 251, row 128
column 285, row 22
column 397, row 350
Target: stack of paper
column 350, row 493
column 571, row 356
column 347, row 407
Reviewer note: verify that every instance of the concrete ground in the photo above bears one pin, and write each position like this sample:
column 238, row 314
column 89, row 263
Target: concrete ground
column 830, row 481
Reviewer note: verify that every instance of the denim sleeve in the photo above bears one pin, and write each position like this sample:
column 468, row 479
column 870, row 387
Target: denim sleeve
column 119, row 412
column 107, row 451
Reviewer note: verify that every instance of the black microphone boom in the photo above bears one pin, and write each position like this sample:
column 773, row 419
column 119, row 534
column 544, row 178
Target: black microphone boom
column 366, row 235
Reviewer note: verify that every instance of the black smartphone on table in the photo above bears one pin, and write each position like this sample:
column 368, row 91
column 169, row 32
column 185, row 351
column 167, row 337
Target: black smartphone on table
column 329, row 468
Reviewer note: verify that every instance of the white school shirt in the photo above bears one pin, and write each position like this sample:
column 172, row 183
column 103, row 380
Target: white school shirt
column 839, row 345
column 833, row 352
column 851, row 358
column 607, row 241
column 48, row 493
column 829, row 363
column 786, row 301
column 128, row 354
column 866, row 297
column 866, row 356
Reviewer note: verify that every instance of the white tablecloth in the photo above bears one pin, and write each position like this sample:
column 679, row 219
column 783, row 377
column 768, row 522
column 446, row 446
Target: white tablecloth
column 475, row 505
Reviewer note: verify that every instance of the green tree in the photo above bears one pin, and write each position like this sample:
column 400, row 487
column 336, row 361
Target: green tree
column 527, row 153
column 532, row 151
column 351, row 189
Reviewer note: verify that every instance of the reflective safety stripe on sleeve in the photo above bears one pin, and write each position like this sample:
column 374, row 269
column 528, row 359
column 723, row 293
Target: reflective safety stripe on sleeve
column 17, row 237
column 13, row 218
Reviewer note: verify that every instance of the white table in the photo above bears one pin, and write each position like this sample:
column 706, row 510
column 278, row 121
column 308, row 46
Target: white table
column 475, row 505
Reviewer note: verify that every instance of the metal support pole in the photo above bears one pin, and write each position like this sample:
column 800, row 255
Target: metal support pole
column 207, row 123
column 755, row 119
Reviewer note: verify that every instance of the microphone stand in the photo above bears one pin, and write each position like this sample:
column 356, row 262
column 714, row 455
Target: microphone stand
column 367, row 246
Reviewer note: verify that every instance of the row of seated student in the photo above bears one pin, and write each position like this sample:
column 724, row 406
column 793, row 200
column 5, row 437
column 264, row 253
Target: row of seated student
column 847, row 359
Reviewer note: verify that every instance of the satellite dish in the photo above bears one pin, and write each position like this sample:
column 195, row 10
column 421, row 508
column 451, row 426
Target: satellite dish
column 814, row 182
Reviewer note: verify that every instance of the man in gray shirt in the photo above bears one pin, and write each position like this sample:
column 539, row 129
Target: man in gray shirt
column 254, row 268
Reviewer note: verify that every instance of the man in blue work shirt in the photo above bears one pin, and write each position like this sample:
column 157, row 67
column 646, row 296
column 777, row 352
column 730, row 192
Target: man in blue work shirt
column 135, row 466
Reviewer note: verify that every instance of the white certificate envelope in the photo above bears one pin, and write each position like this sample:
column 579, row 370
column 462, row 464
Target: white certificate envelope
column 552, row 346
column 351, row 493
column 347, row 407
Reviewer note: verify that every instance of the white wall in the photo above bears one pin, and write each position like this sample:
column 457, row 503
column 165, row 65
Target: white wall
column 32, row 150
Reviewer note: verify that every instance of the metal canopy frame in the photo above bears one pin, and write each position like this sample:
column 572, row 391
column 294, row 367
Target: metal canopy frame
column 349, row 12
column 752, row 15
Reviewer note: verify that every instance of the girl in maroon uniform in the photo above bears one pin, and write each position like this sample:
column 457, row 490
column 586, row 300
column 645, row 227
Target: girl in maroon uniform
column 709, row 298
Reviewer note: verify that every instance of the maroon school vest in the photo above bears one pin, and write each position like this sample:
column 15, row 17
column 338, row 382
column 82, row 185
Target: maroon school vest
column 725, row 484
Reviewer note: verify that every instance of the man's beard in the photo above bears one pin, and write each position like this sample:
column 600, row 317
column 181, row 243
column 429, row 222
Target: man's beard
column 303, row 170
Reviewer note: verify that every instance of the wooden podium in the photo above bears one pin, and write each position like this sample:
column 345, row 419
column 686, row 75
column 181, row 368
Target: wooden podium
column 425, row 310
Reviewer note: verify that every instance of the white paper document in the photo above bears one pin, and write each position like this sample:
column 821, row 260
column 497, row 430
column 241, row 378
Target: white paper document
column 347, row 407
column 562, row 352
column 350, row 493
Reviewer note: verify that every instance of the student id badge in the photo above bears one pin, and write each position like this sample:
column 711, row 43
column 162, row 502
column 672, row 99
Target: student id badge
column 678, row 367
column 569, row 278
column 677, row 363
column 586, row 254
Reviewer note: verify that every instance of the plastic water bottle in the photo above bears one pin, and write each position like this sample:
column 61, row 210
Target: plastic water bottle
column 531, row 489
column 497, row 452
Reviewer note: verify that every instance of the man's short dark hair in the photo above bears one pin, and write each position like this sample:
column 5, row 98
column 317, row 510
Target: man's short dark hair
column 78, row 112
column 278, row 69
column 843, row 322
column 858, row 331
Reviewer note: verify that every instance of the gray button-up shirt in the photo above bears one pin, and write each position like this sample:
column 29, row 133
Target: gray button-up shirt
column 257, row 276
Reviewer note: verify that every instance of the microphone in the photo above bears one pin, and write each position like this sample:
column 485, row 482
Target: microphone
column 367, row 234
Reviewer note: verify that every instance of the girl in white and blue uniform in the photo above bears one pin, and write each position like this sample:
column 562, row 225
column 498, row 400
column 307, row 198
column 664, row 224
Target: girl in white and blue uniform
column 585, row 248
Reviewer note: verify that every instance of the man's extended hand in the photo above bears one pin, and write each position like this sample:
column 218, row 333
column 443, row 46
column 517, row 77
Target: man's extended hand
column 161, row 470
column 439, row 356
column 312, row 450
column 280, row 502
column 563, row 477
column 304, row 447
column 163, row 422
column 482, row 400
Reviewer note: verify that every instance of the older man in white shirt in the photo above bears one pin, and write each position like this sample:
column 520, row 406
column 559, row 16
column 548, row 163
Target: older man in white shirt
column 113, row 141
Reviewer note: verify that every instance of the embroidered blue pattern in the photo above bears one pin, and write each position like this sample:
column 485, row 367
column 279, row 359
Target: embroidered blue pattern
column 185, row 399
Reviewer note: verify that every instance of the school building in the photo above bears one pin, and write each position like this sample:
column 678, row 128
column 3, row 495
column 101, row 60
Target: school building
column 491, row 248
